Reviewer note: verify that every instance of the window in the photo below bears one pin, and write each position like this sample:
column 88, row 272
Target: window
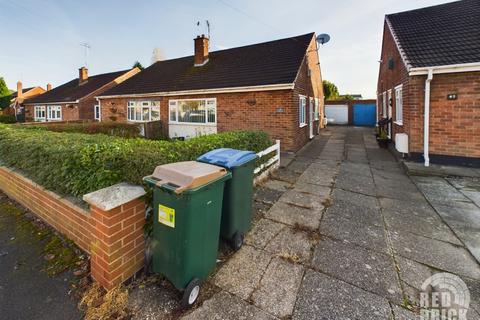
column 97, row 112
column 39, row 113
column 384, row 104
column 302, row 106
column 54, row 113
column 143, row 111
column 317, row 111
column 399, row 105
column 198, row 111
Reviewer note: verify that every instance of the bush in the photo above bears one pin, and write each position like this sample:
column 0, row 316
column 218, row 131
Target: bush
column 124, row 130
column 75, row 164
column 7, row 118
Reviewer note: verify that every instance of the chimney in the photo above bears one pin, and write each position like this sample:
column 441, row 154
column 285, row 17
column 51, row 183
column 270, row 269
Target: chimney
column 201, row 50
column 49, row 86
column 19, row 89
column 82, row 75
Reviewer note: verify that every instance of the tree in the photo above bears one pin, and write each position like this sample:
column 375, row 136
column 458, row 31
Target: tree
column 347, row 96
column 5, row 94
column 330, row 90
column 138, row 65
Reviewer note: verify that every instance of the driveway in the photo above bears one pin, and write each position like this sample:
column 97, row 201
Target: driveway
column 340, row 233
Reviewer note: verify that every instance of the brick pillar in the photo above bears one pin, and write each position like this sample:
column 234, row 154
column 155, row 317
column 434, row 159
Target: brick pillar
column 118, row 245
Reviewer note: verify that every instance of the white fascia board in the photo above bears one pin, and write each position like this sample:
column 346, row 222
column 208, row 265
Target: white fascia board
column 50, row 103
column 288, row 86
column 452, row 68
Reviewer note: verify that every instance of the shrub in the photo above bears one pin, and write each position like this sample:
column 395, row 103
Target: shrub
column 75, row 164
column 124, row 130
column 7, row 118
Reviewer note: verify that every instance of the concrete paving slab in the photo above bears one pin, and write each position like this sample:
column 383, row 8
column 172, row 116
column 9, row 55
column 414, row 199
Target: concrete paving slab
column 369, row 270
column 286, row 175
column 321, row 191
column 318, row 174
column 470, row 187
column 376, row 154
column 224, row 306
column 266, row 195
column 323, row 297
column 357, row 213
column 355, row 231
column 291, row 244
column 153, row 301
column 438, row 190
column 356, row 183
column 301, row 199
column 400, row 313
column 354, row 198
column 416, row 208
column 242, row 273
column 438, row 254
column 355, row 169
column 299, row 166
column 262, row 232
column 278, row 288
column 277, row 185
column 293, row 215
column 418, row 168
column 259, row 209
column 433, row 228
column 398, row 193
column 386, row 166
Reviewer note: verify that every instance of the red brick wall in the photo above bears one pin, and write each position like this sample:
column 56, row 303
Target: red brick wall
column 70, row 112
column 114, row 238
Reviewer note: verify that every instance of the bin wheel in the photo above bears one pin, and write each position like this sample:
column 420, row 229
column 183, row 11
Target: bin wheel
column 191, row 293
column 237, row 241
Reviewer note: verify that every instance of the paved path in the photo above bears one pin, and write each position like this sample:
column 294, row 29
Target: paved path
column 27, row 292
column 342, row 233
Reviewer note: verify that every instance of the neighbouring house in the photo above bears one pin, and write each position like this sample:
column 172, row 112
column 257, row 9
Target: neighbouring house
column 16, row 103
column 74, row 100
column 429, row 82
column 274, row 86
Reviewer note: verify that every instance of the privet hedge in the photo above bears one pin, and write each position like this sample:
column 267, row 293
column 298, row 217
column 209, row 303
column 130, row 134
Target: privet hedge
column 75, row 164
column 124, row 130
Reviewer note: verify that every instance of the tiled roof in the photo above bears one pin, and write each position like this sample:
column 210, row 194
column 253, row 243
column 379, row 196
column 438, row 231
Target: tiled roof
column 440, row 35
column 72, row 90
column 25, row 90
column 274, row 62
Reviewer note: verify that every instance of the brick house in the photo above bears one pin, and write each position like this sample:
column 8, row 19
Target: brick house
column 429, row 82
column 74, row 100
column 274, row 86
column 16, row 102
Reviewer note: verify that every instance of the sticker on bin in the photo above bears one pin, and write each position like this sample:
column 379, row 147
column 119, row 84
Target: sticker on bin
column 166, row 216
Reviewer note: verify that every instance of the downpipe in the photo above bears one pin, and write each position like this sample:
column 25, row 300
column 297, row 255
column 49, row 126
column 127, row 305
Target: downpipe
column 426, row 118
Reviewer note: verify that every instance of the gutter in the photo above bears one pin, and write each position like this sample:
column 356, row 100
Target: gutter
column 451, row 68
column 426, row 118
column 287, row 86
column 50, row 103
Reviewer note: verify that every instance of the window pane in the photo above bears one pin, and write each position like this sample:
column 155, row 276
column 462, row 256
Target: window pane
column 146, row 114
column 155, row 114
column 138, row 113
column 211, row 114
column 191, row 111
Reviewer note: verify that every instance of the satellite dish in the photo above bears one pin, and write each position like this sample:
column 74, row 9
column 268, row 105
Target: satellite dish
column 323, row 38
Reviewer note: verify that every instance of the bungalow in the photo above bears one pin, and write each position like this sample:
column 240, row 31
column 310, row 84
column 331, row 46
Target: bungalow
column 74, row 100
column 274, row 86
column 429, row 82
column 16, row 102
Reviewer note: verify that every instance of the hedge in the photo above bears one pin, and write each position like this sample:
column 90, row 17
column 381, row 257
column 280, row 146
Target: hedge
column 75, row 164
column 124, row 130
column 4, row 118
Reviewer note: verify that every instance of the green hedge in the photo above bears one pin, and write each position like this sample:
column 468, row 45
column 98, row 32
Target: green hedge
column 75, row 164
column 7, row 118
column 124, row 130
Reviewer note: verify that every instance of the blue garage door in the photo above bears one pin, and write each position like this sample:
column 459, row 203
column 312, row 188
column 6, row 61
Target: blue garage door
column 364, row 115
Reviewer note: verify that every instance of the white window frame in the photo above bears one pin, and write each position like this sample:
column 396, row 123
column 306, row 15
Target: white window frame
column 97, row 112
column 302, row 111
column 399, row 105
column 54, row 113
column 317, row 109
column 143, row 104
column 210, row 103
column 38, row 111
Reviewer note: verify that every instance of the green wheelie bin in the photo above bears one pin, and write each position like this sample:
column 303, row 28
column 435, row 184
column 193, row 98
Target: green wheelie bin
column 187, row 202
column 237, row 198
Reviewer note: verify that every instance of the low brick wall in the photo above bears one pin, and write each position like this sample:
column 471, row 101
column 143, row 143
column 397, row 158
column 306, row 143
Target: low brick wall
column 112, row 236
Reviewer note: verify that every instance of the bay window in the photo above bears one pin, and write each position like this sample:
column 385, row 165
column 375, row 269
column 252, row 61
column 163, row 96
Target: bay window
column 193, row 111
column 143, row 111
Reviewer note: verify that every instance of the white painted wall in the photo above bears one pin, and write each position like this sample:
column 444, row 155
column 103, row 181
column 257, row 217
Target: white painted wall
column 337, row 114
column 190, row 130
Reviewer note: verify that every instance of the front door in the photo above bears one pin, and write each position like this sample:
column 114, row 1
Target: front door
column 311, row 115
column 389, row 125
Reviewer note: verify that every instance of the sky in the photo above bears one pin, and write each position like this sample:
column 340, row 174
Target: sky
column 42, row 38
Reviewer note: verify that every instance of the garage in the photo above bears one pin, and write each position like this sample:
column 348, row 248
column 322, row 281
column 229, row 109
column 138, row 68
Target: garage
column 364, row 115
column 337, row 114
